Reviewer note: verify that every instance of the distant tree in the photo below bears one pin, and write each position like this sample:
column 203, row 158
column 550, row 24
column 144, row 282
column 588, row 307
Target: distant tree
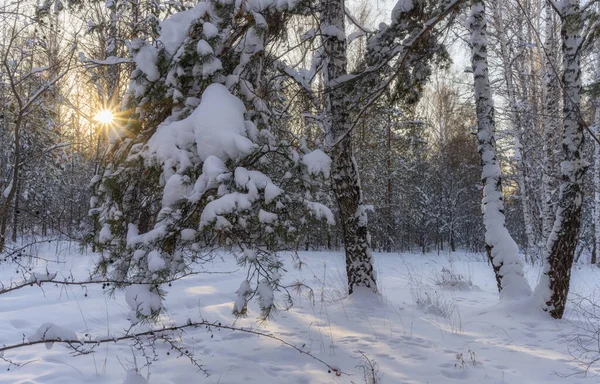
column 32, row 67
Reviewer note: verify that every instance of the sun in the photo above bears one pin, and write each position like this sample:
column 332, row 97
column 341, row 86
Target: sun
column 104, row 117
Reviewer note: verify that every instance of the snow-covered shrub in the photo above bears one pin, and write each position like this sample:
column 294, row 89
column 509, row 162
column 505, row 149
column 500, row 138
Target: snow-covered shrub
column 434, row 302
column 203, row 162
column 447, row 278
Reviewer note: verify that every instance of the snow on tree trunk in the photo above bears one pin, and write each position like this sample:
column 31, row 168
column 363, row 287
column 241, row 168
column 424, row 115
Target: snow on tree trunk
column 344, row 172
column 502, row 250
column 551, row 120
column 553, row 287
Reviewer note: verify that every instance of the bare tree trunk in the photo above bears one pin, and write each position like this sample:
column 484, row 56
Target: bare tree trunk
column 594, row 247
column 4, row 211
column 551, row 120
column 344, row 172
column 15, row 228
column 519, row 121
column 112, row 50
column 597, row 174
column 389, row 214
column 553, row 288
column 502, row 250
column 596, row 178
column 524, row 134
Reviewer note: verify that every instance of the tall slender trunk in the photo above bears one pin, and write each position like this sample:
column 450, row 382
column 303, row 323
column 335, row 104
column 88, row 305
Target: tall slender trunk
column 502, row 250
column 519, row 119
column 597, row 172
column 389, row 171
column 344, row 172
column 524, row 189
column 553, row 288
column 597, row 162
column 5, row 209
column 112, row 50
column 15, row 228
column 594, row 246
column 551, row 120
column 526, row 100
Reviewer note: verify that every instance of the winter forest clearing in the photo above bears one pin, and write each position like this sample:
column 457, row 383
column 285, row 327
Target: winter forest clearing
column 435, row 322
column 308, row 191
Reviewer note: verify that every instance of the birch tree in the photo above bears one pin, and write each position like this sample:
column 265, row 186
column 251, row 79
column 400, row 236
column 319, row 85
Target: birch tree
column 553, row 287
column 344, row 171
column 520, row 118
column 502, row 250
column 551, row 120
column 399, row 57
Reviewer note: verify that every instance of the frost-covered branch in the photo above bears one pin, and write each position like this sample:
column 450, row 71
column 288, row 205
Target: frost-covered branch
column 397, row 58
column 37, row 279
column 49, row 334
column 356, row 22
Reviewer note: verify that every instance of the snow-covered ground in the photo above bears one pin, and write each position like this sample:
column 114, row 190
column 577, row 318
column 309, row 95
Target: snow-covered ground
column 418, row 331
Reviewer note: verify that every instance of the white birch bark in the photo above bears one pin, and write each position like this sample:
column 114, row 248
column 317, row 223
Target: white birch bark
column 553, row 287
column 519, row 122
column 551, row 119
column 502, row 250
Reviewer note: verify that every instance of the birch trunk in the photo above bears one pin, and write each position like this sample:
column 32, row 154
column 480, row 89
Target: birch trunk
column 551, row 120
column 597, row 162
column 344, row 172
column 502, row 250
column 553, row 288
column 597, row 171
column 519, row 121
column 524, row 138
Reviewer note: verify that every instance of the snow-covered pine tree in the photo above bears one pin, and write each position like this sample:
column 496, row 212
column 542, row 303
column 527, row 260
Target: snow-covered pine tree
column 205, row 161
column 502, row 250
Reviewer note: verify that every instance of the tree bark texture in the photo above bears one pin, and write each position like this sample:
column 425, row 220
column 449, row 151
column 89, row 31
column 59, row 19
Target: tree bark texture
column 344, row 172
column 501, row 248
